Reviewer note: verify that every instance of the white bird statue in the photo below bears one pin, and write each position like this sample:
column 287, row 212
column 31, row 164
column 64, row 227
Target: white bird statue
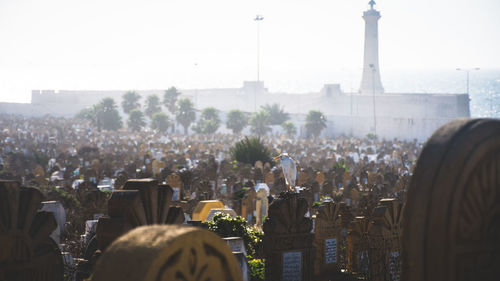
column 289, row 170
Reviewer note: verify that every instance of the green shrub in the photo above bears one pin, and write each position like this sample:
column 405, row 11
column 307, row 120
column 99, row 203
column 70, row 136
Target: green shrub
column 226, row 226
column 257, row 269
column 251, row 150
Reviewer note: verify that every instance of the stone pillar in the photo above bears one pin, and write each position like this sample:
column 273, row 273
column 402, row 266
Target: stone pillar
column 288, row 241
column 370, row 81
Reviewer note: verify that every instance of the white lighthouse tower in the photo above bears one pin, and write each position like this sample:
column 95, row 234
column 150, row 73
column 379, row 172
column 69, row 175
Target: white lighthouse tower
column 370, row 83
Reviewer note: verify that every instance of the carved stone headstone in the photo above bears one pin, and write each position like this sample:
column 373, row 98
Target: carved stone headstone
column 141, row 202
column 357, row 259
column 288, row 240
column 385, row 241
column 178, row 253
column 327, row 239
column 452, row 214
column 26, row 250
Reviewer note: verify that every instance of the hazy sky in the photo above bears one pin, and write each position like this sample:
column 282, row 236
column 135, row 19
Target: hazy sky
column 154, row 44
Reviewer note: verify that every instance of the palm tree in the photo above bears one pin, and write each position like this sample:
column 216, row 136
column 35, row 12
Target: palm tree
column 315, row 123
column 136, row 120
column 277, row 114
column 106, row 115
column 153, row 105
column 130, row 101
column 289, row 128
column 259, row 123
column 236, row 121
column 209, row 121
column 160, row 122
column 185, row 113
column 170, row 99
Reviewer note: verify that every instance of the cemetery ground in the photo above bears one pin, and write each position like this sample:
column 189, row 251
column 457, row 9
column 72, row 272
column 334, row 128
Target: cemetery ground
column 82, row 205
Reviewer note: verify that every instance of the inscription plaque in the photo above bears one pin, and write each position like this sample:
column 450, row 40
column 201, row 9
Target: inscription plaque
column 175, row 196
column 331, row 250
column 292, row 266
column 394, row 266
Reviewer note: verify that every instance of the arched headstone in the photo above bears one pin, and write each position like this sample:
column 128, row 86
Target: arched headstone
column 357, row 259
column 327, row 239
column 452, row 215
column 288, row 240
column 167, row 252
column 385, row 241
column 26, row 250
column 141, row 202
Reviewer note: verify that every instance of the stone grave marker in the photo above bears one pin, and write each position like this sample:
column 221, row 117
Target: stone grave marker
column 236, row 244
column 179, row 253
column 60, row 214
column 452, row 227
column 269, row 179
column 288, row 241
column 26, row 250
column 176, row 184
column 357, row 259
column 213, row 212
column 141, row 202
column 385, row 241
column 261, row 206
column 303, row 177
column 202, row 209
column 327, row 239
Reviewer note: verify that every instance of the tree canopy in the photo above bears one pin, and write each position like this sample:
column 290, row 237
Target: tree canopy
column 160, row 122
column 136, row 120
column 277, row 114
column 170, row 99
column 259, row 123
column 153, row 105
column 130, row 101
column 289, row 128
column 236, row 121
column 315, row 123
column 185, row 114
column 209, row 121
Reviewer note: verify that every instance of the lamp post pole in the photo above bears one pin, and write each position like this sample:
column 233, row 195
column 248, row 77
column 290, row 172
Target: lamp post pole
column 468, row 70
column 258, row 19
column 373, row 87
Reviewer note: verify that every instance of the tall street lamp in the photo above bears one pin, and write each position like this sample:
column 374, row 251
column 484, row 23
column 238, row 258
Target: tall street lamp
column 258, row 19
column 372, row 67
column 468, row 70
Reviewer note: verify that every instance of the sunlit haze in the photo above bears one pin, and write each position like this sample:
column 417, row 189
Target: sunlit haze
column 125, row 44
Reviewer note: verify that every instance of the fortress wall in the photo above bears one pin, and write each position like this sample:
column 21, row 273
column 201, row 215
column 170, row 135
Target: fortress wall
column 387, row 127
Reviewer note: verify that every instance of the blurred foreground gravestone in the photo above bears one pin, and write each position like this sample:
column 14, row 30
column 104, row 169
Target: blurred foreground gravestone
column 327, row 238
column 167, row 253
column 26, row 250
column 452, row 216
column 288, row 241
